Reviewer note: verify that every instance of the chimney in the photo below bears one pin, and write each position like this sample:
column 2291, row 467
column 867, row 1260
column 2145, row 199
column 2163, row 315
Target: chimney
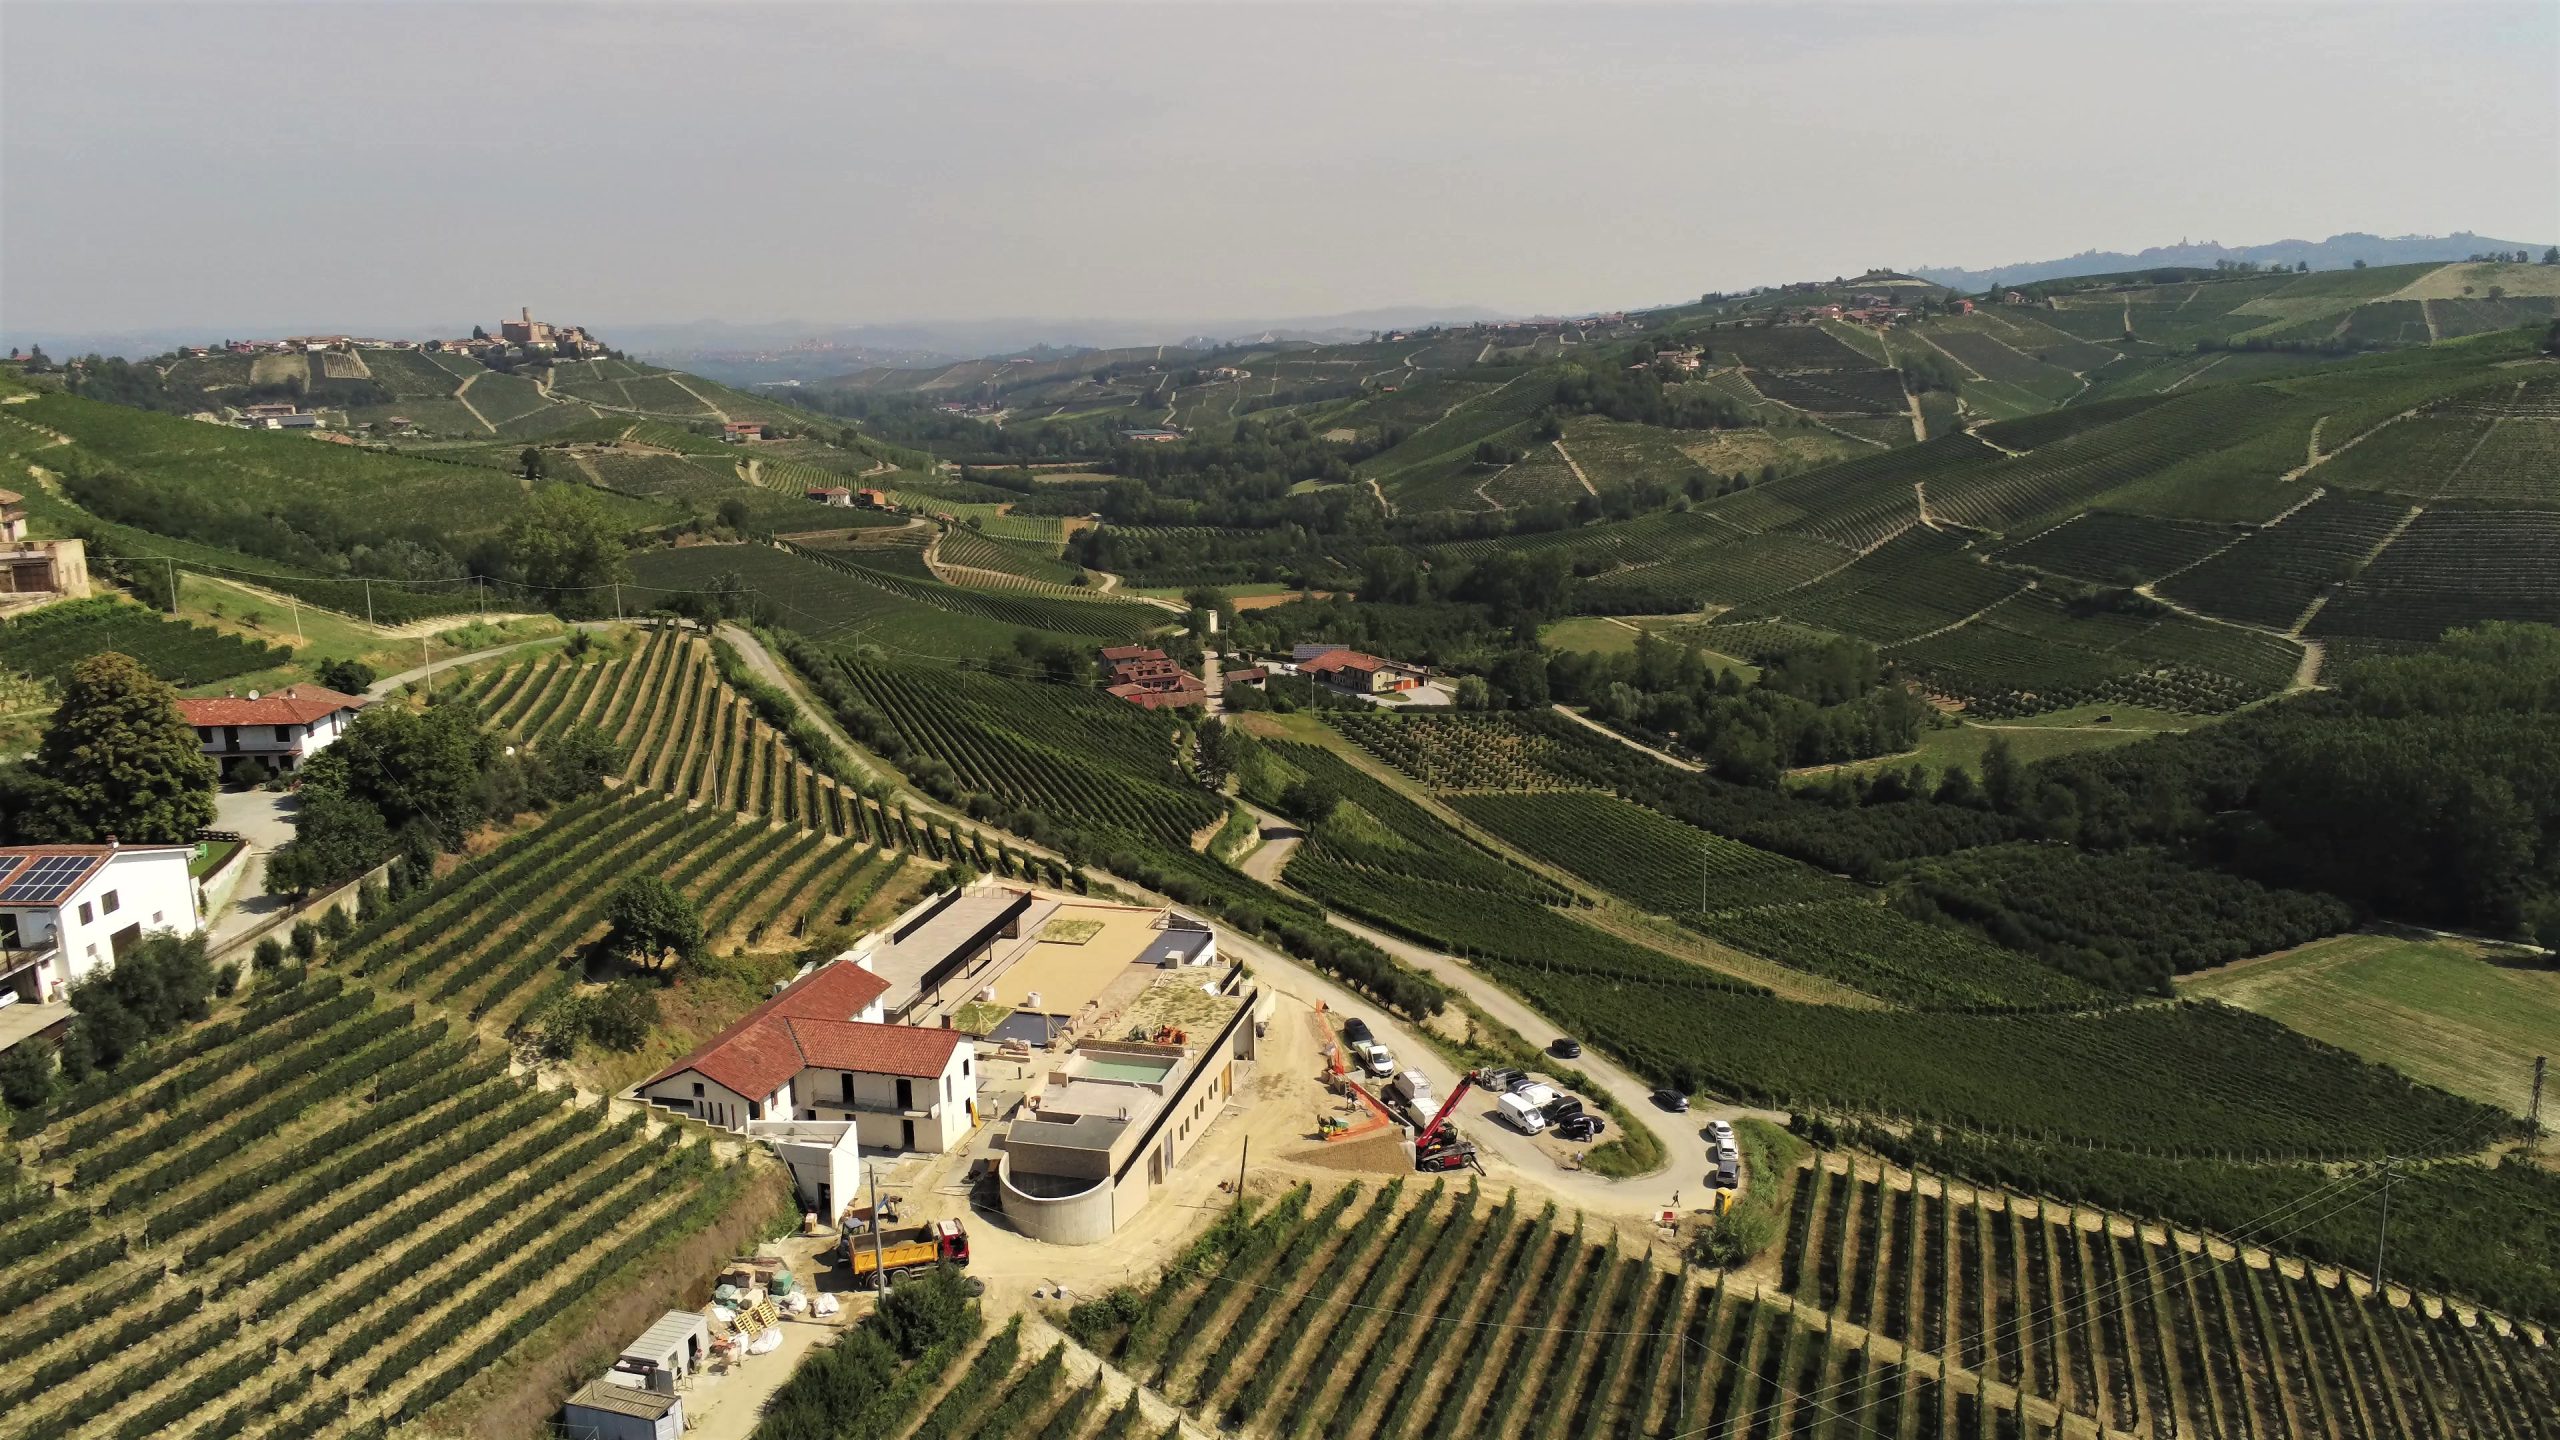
column 112, row 843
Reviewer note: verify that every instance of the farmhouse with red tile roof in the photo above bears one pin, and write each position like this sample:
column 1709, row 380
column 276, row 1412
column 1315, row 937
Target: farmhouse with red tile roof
column 282, row 728
column 819, row 1051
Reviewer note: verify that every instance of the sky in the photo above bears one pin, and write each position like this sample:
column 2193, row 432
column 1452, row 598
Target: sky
column 238, row 166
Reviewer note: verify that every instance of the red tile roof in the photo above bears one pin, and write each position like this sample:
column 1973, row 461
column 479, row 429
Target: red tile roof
column 1112, row 653
column 293, row 705
column 772, row 1043
column 875, row 1049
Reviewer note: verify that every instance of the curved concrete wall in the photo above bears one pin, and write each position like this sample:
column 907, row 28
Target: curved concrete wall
column 1082, row 1217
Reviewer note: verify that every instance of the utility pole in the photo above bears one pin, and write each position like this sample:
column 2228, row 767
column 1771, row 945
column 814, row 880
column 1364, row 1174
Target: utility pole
column 368, row 602
column 1240, row 1159
column 173, row 586
column 297, row 617
column 617, row 602
column 2533, row 1111
column 878, row 1277
column 2383, row 1239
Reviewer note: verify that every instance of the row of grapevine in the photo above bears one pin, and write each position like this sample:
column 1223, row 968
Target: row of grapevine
column 2132, row 1328
column 310, row 1205
column 684, row 731
column 1458, row 1319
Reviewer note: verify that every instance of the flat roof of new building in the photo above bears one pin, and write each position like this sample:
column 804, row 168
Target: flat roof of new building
column 1070, row 974
column 969, row 920
column 615, row 1399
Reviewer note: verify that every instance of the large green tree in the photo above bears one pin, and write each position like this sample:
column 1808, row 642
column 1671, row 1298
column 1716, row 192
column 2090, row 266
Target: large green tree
column 562, row 543
column 652, row 920
column 118, row 760
column 429, row 767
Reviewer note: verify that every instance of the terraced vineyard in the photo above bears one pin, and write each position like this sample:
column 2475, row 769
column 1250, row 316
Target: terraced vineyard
column 686, row 733
column 2138, row 1331
column 324, row 1213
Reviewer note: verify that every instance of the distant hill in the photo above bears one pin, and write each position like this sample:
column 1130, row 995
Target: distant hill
column 2338, row 252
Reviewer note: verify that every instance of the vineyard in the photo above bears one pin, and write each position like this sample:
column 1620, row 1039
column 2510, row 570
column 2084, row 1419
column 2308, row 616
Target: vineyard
column 1075, row 754
column 1894, row 1308
column 1453, row 1315
column 2271, row 577
column 999, row 564
column 1765, row 904
column 2031, row 653
column 687, row 733
column 49, row 642
column 2139, row 1331
column 2113, row 549
column 2453, row 568
column 322, row 1214
column 1922, row 581
column 841, row 603
column 2104, row 1077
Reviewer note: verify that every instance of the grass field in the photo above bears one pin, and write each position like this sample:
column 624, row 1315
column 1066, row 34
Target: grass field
column 2449, row 1012
column 1961, row 747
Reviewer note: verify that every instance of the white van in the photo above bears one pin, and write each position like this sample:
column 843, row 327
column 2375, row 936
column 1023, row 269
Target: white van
column 1526, row 1118
column 1535, row 1093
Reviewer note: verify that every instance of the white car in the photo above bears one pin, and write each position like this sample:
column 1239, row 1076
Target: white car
column 1722, row 1130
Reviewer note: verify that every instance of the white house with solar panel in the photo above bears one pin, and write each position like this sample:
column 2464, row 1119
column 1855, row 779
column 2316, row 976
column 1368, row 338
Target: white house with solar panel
column 66, row 910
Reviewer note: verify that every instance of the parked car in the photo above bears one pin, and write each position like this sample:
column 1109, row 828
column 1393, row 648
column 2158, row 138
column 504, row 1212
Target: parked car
column 1581, row 1127
column 1722, row 1131
column 1671, row 1100
column 1562, row 1108
column 1566, row 1048
column 1377, row 1059
column 1355, row 1033
column 1526, row 1118
column 1499, row 1080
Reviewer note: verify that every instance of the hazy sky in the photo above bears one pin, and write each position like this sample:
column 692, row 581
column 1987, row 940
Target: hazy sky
column 368, row 163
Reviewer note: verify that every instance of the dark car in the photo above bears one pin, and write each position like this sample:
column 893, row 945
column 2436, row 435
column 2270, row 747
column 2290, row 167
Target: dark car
column 1672, row 1100
column 1562, row 1108
column 1581, row 1127
column 1566, row 1048
column 1356, row 1032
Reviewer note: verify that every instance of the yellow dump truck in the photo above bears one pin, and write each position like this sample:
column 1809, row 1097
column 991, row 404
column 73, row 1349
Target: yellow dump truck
column 903, row 1251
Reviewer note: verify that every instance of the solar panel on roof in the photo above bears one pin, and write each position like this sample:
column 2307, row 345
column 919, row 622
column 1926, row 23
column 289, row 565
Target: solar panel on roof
column 9, row 863
column 47, row 879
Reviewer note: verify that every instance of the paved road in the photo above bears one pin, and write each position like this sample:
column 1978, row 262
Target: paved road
column 391, row 684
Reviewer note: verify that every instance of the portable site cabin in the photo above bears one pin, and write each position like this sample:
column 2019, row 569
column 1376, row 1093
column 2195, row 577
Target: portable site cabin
column 666, row 1352
column 606, row 1411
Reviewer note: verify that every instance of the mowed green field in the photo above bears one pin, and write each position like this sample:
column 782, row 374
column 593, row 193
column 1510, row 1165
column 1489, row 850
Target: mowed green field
column 2449, row 1012
column 1961, row 747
